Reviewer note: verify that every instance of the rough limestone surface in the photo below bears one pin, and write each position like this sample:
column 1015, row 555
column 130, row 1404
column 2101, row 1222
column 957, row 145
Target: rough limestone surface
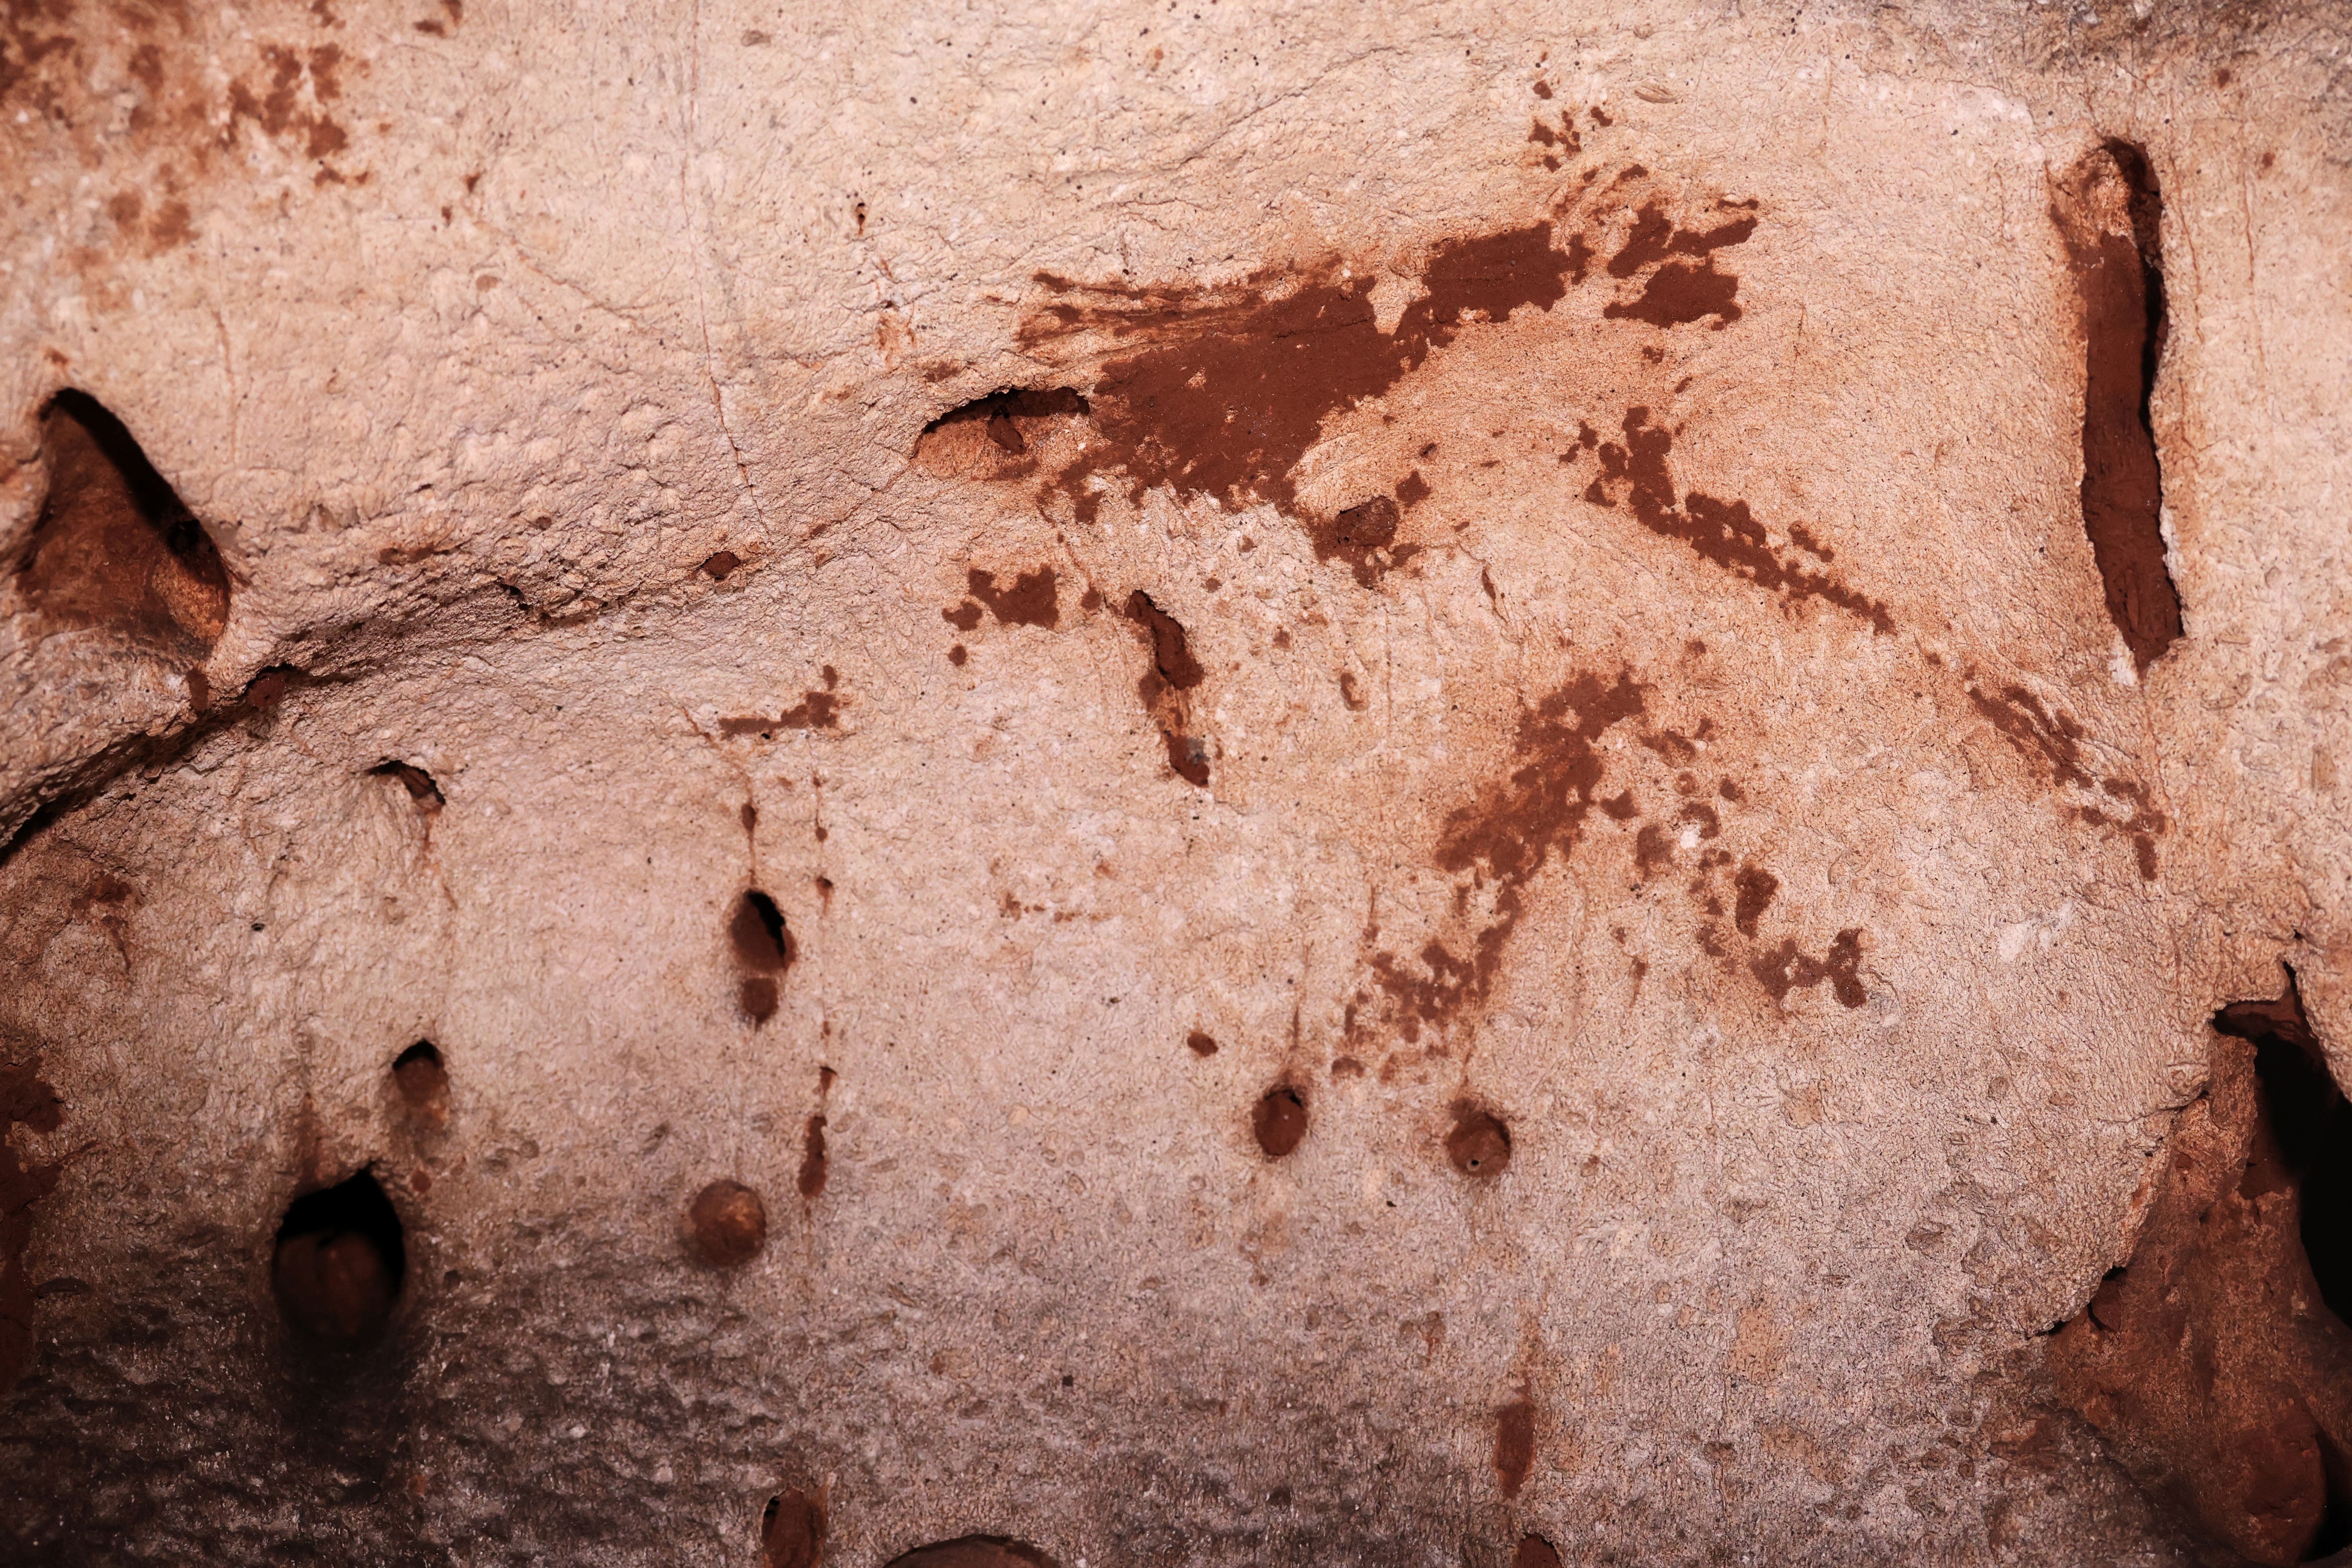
column 1451, row 840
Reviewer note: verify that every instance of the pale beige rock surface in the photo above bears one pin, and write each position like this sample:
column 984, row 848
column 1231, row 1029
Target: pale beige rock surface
column 470, row 333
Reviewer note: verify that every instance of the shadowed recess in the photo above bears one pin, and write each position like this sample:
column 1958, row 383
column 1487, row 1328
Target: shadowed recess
column 2110, row 212
column 791, row 1531
column 339, row 1263
column 423, row 1083
column 115, row 547
column 975, row 1552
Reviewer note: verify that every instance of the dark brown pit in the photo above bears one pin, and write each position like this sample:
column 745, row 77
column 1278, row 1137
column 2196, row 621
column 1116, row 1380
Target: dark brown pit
column 1279, row 1120
column 423, row 1083
column 721, row 564
column 791, row 1531
column 728, row 1224
column 1480, row 1144
column 975, row 1552
column 339, row 1263
column 1535, row 1552
column 1200, row 1044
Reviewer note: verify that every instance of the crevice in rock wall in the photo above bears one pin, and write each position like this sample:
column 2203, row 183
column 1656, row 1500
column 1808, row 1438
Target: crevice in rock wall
column 993, row 438
column 2109, row 212
column 342, row 1258
column 115, row 548
column 2214, row 1362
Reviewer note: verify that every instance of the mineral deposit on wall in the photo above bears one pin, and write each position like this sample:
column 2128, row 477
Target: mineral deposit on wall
column 1183, row 783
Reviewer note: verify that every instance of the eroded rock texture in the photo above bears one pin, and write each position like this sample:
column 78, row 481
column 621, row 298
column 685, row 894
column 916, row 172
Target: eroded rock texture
column 1164, row 784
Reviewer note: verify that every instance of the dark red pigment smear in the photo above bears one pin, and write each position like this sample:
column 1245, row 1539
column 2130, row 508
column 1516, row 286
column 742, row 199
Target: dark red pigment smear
column 791, row 1531
column 2119, row 284
column 2213, row 1363
column 1684, row 290
column 1755, row 887
column 1507, row 835
column 114, row 547
column 2052, row 741
column 1163, row 686
column 813, row 1162
column 25, row 1099
column 1514, row 1444
column 1784, row 969
column 1231, row 388
column 1029, row 602
column 1722, row 534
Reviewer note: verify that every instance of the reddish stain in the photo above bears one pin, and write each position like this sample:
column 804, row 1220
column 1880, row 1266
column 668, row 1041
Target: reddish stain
column 1029, row 601
column 1505, row 836
column 1755, row 887
column 813, row 1166
column 815, row 710
column 1165, row 687
column 2052, row 741
column 1279, row 1120
column 1514, row 1444
column 1722, row 534
column 956, row 656
column 1784, row 969
column 1230, row 388
column 1200, row 1044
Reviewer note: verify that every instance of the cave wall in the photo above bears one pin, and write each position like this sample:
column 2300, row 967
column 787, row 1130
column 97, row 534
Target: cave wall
column 1472, row 809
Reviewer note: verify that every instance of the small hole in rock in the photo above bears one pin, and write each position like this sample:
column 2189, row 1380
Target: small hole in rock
column 975, row 1552
column 420, row 785
column 1480, row 1144
column 791, row 1531
column 727, row 1224
column 1279, row 1120
column 423, row 1082
column 1535, row 1552
column 340, row 1262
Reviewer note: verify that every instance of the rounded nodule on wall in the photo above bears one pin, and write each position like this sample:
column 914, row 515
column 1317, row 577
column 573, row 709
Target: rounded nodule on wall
column 727, row 1224
column 1279, row 1120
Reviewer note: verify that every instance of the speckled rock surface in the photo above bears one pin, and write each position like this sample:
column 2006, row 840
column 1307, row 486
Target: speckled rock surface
column 1451, row 841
